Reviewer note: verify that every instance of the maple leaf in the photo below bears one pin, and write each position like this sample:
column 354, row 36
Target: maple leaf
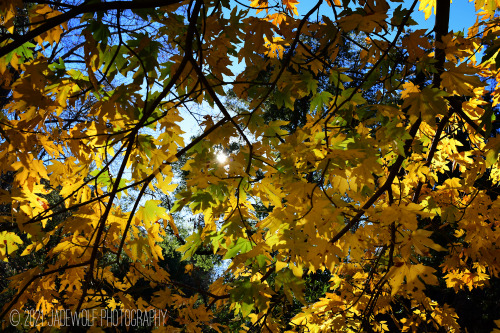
column 427, row 103
column 8, row 244
column 291, row 6
column 414, row 275
column 428, row 7
column 242, row 245
column 152, row 212
column 461, row 79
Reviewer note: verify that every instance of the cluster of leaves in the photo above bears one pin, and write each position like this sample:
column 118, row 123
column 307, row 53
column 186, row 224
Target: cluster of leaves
column 362, row 169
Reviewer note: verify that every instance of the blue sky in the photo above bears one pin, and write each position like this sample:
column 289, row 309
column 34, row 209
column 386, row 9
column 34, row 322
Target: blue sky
column 462, row 16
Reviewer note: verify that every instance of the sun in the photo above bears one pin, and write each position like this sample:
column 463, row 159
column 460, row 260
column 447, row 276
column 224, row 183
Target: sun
column 221, row 158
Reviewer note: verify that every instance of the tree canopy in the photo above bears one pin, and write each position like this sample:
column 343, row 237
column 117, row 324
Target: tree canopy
column 344, row 172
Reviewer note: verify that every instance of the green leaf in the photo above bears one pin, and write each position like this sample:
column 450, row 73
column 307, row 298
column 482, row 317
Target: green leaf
column 242, row 244
column 216, row 241
column 184, row 198
column 152, row 212
column 193, row 242
column 319, row 100
column 146, row 144
column 261, row 260
column 491, row 157
column 311, row 83
column 243, row 294
column 104, row 178
column 292, row 286
column 100, row 32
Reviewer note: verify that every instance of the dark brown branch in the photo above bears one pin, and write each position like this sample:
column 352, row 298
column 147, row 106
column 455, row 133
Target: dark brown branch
column 394, row 171
column 432, row 151
column 392, row 246
column 441, row 29
column 102, row 222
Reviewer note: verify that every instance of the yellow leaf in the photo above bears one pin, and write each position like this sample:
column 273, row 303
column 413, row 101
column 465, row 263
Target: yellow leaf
column 280, row 265
column 8, row 244
column 461, row 80
column 427, row 6
column 291, row 6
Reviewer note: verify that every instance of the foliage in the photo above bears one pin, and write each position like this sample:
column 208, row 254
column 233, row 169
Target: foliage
column 359, row 194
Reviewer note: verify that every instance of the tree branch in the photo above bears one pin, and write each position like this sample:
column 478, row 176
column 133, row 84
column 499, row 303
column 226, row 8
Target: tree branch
column 394, row 171
column 86, row 8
